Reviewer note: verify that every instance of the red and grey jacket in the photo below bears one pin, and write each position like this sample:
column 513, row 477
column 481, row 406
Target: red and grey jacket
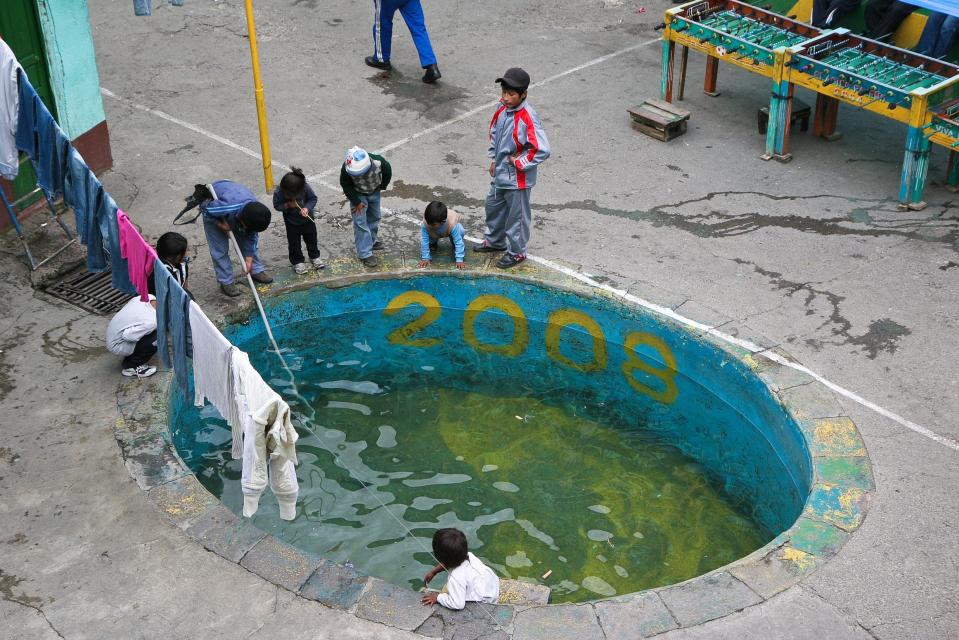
column 511, row 131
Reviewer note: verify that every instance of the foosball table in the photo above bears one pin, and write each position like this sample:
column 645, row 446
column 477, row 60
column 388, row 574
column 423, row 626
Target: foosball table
column 837, row 65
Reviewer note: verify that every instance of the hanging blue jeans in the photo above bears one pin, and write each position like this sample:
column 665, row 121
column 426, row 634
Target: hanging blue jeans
column 412, row 12
column 173, row 322
column 142, row 7
column 40, row 137
column 219, row 243
column 366, row 224
column 938, row 35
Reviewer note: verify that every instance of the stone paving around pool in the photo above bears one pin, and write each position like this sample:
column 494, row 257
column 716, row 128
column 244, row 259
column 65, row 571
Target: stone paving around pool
column 835, row 509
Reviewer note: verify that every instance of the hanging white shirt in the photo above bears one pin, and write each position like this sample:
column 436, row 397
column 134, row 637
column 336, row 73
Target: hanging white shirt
column 133, row 321
column 269, row 440
column 9, row 112
column 212, row 372
column 472, row 581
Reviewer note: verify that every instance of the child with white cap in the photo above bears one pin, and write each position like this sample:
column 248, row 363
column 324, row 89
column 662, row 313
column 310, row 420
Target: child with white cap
column 363, row 176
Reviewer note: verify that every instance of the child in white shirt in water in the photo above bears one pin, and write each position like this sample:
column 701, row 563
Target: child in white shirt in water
column 469, row 579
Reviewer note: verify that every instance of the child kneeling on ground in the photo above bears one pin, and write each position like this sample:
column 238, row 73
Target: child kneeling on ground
column 469, row 579
column 296, row 200
column 440, row 222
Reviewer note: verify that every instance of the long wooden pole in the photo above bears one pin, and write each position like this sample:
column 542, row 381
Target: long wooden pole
column 260, row 104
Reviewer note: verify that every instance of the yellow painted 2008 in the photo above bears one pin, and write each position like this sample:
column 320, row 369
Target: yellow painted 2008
column 554, row 328
column 665, row 391
column 431, row 312
column 666, row 375
column 507, row 306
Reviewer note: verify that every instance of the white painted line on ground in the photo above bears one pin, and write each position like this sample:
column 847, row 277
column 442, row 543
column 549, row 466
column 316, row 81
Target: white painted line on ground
column 191, row 127
column 622, row 293
column 489, row 105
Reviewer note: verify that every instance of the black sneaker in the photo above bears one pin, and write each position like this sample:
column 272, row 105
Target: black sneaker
column 262, row 278
column 378, row 246
column 376, row 64
column 432, row 74
column 371, row 262
column 485, row 248
column 143, row 371
column 509, row 260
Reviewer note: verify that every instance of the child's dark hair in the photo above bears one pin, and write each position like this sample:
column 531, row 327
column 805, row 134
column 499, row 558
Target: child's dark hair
column 435, row 212
column 449, row 547
column 171, row 246
column 293, row 183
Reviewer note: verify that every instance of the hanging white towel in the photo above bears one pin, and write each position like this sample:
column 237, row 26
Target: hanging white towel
column 9, row 112
column 269, row 440
column 212, row 377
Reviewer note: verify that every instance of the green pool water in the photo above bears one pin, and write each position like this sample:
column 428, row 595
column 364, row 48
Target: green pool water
column 541, row 478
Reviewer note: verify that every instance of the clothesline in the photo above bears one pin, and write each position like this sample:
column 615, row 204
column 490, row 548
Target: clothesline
column 263, row 433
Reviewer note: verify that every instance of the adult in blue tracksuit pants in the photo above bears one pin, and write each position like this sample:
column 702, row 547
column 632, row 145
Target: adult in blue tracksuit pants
column 228, row 206
column 412, row 12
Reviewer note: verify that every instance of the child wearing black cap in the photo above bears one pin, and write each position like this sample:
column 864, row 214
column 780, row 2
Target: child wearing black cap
column 518, row 145
column 297, row 201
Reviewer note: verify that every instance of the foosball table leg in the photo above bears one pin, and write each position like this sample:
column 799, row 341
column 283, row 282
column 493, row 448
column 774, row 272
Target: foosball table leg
column 826, row 118
column 666, row 79
column 712, row 72
column 915, row 168
column 683, row 61
column 952, row 172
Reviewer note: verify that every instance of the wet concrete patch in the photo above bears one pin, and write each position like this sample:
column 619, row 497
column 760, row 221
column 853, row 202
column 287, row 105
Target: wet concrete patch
column 477, row 621
column 335, row 585
column 640, row 616
column 392, row 605
column 559, row 622
column 224, row 533
column 280, row 563
column 713, row 596
column 438, row 102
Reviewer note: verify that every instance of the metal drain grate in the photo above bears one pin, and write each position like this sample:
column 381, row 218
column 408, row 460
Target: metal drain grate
column 90, row 291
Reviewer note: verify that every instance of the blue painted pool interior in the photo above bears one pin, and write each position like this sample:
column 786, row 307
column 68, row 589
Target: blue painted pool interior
column 724, row 415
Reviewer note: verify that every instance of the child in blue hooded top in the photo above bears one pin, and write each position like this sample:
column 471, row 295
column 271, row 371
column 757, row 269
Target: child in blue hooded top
column 440, row 222
column 229, row 206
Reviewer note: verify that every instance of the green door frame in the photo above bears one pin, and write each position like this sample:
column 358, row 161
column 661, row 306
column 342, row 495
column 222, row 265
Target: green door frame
column 20, row 29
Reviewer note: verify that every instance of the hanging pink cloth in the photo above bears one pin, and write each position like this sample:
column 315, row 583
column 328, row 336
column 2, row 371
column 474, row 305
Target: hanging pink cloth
column 139, row 255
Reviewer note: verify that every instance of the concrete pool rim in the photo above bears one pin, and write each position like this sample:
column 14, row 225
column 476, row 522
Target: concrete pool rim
column 841, row 489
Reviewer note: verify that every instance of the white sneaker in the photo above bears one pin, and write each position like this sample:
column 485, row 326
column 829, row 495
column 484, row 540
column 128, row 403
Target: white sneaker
column 318, row 263
column 300, row 268
column 143, row 371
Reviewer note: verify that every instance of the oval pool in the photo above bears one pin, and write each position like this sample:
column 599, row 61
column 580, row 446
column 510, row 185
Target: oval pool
column 569, row 436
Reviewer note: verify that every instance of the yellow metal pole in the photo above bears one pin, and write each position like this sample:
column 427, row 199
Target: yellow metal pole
column 260, row 105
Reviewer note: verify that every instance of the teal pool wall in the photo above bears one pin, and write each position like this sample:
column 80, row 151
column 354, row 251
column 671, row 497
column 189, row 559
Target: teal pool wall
column 708, row 402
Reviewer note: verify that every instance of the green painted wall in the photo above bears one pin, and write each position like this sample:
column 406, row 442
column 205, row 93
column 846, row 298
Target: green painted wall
column 72, row 64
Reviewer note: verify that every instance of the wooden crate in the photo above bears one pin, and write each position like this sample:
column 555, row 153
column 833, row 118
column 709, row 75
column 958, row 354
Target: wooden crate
column 657, row 119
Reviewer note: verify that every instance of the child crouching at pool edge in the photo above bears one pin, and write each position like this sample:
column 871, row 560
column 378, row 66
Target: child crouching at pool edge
column 440, row 222
column 469, row 579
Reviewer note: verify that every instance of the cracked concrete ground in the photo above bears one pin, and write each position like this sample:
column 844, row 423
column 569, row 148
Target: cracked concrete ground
column 811, row 256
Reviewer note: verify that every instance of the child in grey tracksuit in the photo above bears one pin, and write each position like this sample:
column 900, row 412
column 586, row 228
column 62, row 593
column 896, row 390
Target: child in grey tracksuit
column 518, row 145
